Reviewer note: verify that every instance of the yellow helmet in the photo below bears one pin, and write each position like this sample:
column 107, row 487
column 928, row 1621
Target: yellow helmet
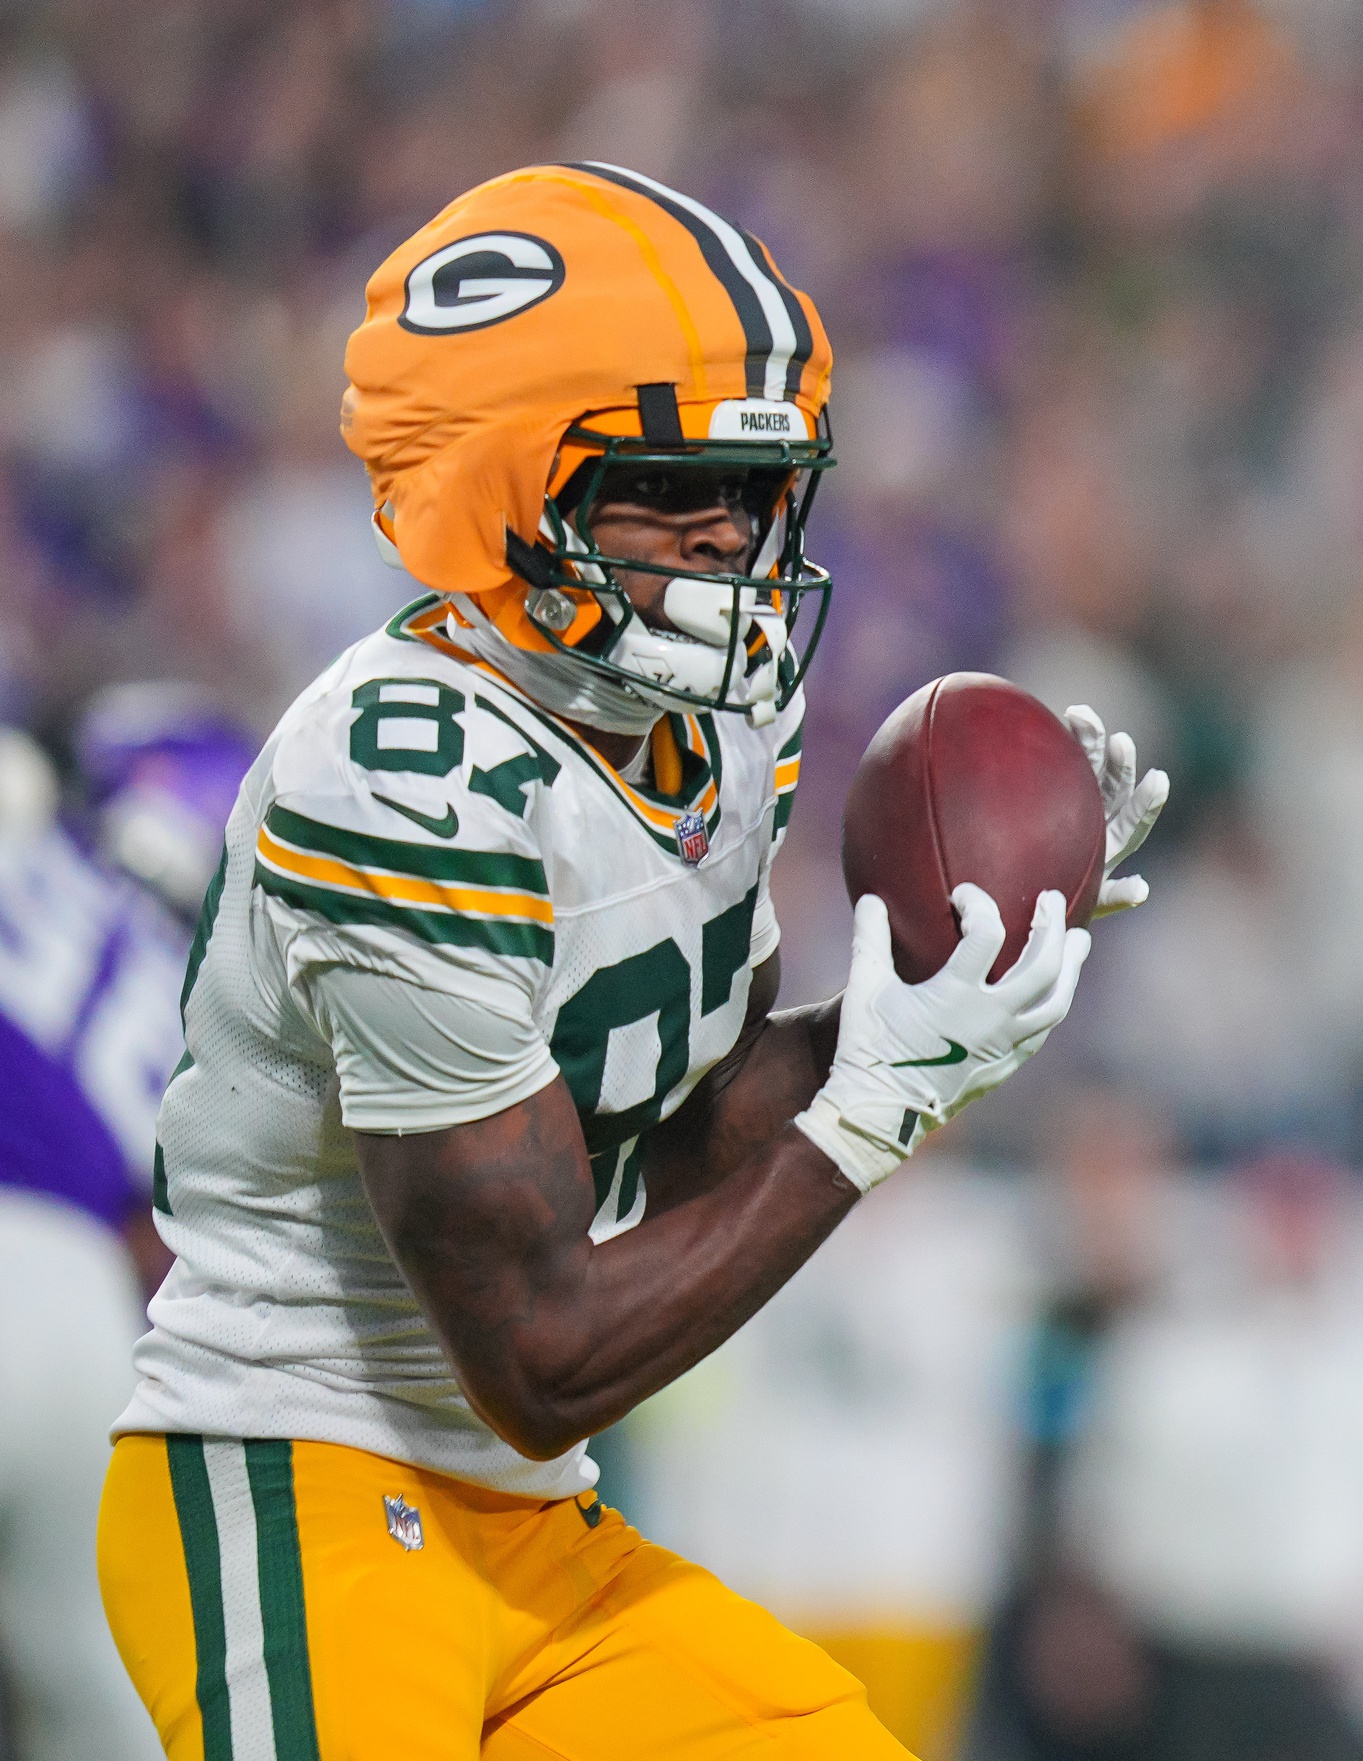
column 553, row 324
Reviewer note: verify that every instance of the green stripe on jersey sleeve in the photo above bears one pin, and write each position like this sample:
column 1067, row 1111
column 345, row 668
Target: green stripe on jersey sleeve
column 531, row 941
column 478, row 868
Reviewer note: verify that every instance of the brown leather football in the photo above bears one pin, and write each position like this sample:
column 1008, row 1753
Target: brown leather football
column 971, row 779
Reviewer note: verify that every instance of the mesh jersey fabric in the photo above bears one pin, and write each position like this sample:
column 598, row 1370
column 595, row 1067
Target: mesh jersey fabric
column 409, row 1058
column 414, row 819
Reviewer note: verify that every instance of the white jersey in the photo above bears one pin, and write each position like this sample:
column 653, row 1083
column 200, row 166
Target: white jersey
column 420, row 842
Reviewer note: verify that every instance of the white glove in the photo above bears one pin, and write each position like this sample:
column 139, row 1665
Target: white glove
column 1130, row 808
column 910, row 1056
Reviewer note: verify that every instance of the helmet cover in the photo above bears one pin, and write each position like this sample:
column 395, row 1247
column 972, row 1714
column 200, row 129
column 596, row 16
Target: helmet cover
column 552, row 315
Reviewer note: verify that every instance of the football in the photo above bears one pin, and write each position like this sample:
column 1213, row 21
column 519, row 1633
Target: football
column 971, row 779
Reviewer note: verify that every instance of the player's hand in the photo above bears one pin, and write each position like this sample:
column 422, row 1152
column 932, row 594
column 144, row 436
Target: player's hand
column 910, row 1057
column 1130, row 808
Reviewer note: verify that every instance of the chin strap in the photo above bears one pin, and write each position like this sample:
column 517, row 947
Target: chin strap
column 531, row 562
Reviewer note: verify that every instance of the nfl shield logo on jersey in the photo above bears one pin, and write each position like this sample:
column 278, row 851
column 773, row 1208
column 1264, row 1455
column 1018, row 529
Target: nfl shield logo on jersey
column 692, row 838
column 404, row 1522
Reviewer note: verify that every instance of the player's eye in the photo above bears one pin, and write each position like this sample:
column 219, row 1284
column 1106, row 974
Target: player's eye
column 659, row 490
column 675, row 492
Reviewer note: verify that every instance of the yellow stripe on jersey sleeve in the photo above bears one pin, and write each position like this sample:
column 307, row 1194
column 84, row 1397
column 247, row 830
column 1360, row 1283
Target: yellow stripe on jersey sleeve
column 483, row 898
column 787, row 775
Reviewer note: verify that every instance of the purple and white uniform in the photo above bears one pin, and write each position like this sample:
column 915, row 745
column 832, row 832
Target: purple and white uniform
column 92, row 959
column 90, row 973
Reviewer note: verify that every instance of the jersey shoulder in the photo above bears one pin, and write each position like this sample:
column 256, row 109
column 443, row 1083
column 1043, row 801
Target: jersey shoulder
column 397, row 797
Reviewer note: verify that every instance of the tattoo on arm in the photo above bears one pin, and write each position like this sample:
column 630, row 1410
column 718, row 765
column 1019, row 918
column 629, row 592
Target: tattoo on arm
column 485, row 1221
column 551, row 1337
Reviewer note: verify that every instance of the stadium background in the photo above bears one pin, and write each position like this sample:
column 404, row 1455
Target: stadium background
column 1061, row 1442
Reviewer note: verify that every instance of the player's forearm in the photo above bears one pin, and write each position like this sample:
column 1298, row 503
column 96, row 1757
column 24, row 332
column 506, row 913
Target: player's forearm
column 552, row 1337
column 814, row 1030
column 742, row 1105
column 653, row 1302
column 738, row 1200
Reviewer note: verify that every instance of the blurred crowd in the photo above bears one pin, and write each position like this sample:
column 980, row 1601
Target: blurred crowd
column 1093, row 270
column 1063, row 1464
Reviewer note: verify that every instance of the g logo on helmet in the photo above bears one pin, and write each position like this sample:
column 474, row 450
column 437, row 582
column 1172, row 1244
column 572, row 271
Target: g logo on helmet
column 480, row 281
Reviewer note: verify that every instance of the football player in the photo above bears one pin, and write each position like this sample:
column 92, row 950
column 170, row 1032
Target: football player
column 91, row 964
column 486, row 1130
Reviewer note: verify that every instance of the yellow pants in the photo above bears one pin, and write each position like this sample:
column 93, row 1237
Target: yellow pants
column 282, row 1601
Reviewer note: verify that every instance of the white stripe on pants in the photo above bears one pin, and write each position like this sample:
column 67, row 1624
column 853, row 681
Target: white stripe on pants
column 248, row 1686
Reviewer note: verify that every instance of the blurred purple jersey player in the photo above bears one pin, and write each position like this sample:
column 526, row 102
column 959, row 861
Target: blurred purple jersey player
column 162, row 765
column 94, row 934
column 95, row 924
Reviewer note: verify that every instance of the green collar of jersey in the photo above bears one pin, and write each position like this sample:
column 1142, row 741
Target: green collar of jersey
column 656, row 813
column 419, row 622
column 696, row 736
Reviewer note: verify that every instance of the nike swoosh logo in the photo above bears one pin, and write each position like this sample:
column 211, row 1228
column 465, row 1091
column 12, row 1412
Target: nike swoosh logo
column 445, row 827
column 957, row 1054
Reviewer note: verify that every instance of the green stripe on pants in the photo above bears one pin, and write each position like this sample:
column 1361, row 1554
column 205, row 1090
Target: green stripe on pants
column 269, row 1467
column 199, row 1538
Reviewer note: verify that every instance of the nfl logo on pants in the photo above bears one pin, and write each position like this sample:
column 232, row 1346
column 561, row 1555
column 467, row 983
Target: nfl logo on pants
column 692, row 838
column 404, row 1523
